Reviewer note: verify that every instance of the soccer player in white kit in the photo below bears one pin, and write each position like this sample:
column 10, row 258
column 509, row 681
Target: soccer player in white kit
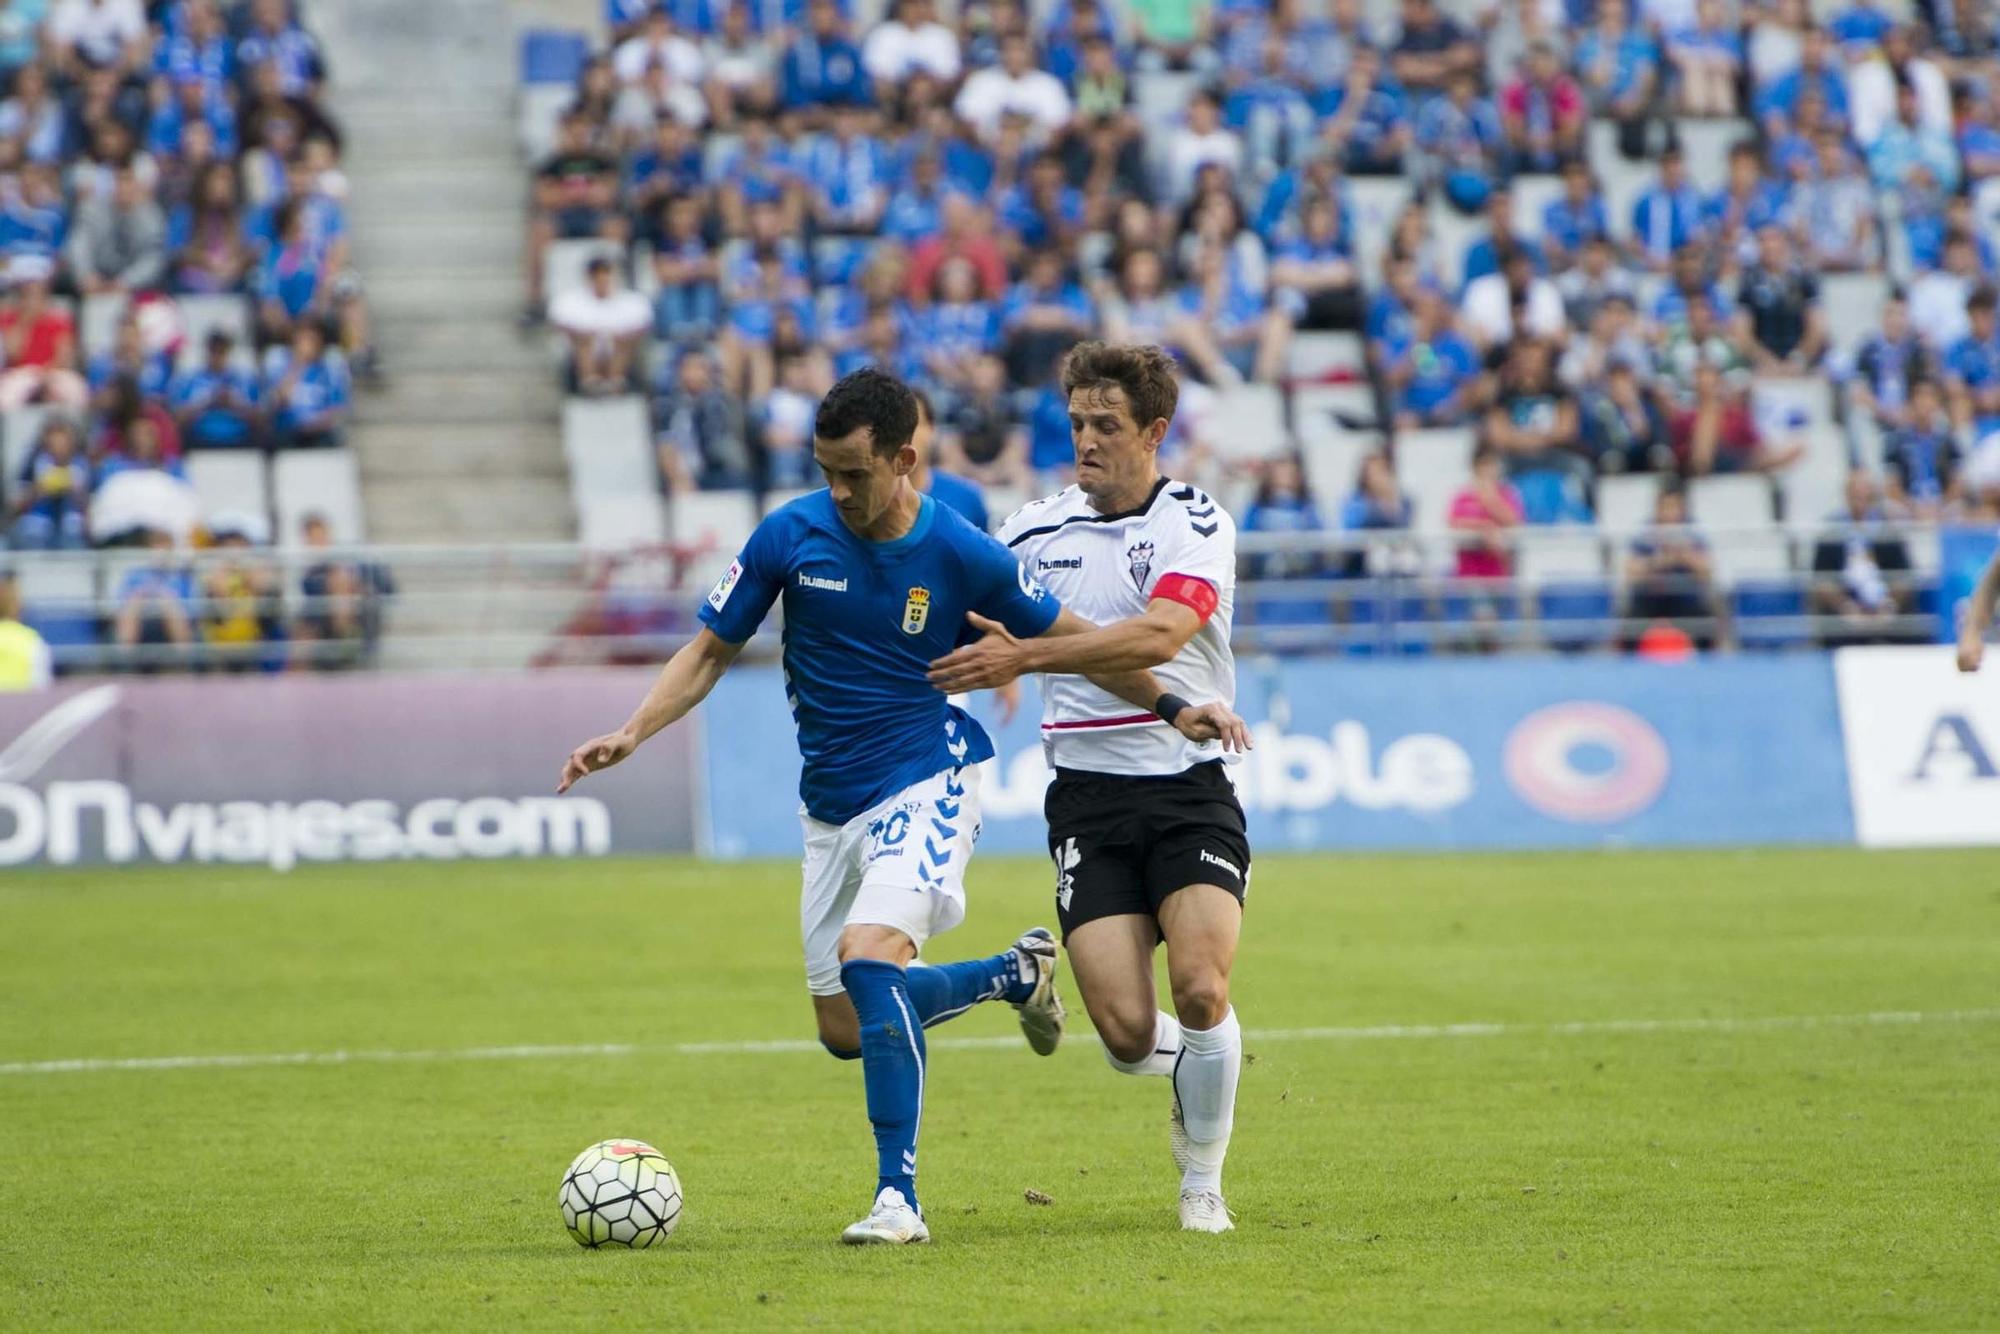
column 1144, row 826
column 1978, row 616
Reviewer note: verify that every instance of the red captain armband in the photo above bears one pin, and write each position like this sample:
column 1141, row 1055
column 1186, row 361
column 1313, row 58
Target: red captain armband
column 1197, row 595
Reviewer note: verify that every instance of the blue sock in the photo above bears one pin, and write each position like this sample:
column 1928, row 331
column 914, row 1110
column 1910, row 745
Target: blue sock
column 950, row 989
column 892, row 1067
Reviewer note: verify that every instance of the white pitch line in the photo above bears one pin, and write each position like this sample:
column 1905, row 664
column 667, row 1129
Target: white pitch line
column 790, row 1046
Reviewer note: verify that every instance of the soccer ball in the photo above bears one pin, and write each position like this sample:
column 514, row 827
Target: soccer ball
column 620, row 1193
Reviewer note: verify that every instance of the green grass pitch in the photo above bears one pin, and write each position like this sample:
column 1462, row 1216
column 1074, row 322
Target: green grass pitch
column 1565, row 1169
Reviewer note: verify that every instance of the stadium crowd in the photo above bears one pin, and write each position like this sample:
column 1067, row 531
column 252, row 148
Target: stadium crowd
column 960, row 197
column 174, row 277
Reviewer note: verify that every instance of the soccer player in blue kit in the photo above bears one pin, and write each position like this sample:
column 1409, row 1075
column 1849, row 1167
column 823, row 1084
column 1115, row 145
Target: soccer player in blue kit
column 877, row 581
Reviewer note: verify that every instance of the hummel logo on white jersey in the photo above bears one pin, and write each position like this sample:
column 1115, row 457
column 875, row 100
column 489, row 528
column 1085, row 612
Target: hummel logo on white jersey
column 814, row 581
column 1223, row 862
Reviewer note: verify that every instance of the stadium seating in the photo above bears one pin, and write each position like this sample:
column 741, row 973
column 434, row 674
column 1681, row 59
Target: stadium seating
column 318, row 481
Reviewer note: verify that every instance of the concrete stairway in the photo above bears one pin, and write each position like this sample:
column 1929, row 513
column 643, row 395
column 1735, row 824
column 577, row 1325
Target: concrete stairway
column 463, row 445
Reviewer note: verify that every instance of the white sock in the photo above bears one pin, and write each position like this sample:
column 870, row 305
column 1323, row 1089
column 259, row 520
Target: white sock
column 1205, row 1082
column 1166, row 1050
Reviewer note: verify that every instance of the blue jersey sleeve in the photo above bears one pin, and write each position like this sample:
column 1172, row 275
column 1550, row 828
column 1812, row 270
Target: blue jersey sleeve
column 1002, row 590
column 737, row 604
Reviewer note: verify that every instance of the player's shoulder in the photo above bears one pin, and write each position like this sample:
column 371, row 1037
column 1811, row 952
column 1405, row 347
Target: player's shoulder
column 1186, row 504
column 793, row 525
column 1040, row 515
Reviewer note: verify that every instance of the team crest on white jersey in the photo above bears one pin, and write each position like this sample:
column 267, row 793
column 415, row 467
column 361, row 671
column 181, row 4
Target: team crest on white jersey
column 917, row 611
column 1140, row 554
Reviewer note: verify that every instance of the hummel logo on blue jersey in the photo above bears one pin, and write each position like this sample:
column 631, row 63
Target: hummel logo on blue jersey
column 814, row 581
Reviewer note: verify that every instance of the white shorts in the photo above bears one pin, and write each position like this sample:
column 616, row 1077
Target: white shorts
column 900, row 864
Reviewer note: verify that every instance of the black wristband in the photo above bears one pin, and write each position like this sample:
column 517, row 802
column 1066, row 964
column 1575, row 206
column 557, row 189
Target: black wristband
column 1169, row 707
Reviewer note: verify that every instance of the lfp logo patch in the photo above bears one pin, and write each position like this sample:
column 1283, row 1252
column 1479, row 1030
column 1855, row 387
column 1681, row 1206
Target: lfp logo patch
column 1587, row 762
column 917, row 611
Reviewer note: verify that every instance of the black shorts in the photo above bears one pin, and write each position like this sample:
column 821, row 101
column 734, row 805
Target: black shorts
column 1122, row 844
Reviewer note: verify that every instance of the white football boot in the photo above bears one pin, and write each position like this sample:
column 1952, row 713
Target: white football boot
column 892, row 1222
column 1204, row 1211
column 1042, row 1013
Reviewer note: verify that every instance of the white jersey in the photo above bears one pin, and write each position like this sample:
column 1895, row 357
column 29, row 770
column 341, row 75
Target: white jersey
column 1105, row 568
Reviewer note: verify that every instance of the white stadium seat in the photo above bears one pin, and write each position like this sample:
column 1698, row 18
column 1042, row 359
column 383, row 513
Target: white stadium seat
column 714, row 522
column 1248, row 422
column 565, row 263
column 1625, row 502
column 322, row 481
column 1740, row 556
column 1315, row 356
column 1432, row 467
column 230, row 481
column 1544, row 555
column 97, row 325
column 201, row 315
column 1738, row 501
column 619, row 523
column 19, row 430
column 608, row 444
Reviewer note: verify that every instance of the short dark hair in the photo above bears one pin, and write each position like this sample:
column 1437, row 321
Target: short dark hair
column 871, row 398
column 1982, row 298
column 1144, row 372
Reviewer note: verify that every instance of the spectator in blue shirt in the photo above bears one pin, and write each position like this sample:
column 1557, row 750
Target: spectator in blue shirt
column 1667, row 216
column 1377, row 503
column 1043, row 210
column 847, row 172
column 200, row 51
column 1391, row 314
column 1284, row 505
column 1618, row 65
column 1907, row 144
column 274, row 38
column 667, row 167
column 33, row 221
column 1281, row 213
column 760, row 170
column 688, row 306
column 130, row 361
column 1860, row 28
column 34, row 115
column 1434, row 376
column 1920, row 460
column 1709, row 58
column 958, row 327
column 1777, row 105
column 1366, row 118
column 822, row 67
column 154, row 600
column 215, row 404
column 917, row 209
column 290, row 290
column 1575, row 218
column 1051, row 448
column 1042, row 317
column 944, row 486
column 306, row 390
column 1461, row 138
column 1431, row 48
column 1270, row 113
column 1978, row 138
column 1313, row 275
column 1484, row 254
column 50, row 499
column 1972, row 368
column 1747, row 203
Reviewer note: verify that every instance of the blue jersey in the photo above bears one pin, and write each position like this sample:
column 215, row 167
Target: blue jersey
column 863, row 622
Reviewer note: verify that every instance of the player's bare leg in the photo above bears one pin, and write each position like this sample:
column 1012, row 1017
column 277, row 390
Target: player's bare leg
column 1201, row 924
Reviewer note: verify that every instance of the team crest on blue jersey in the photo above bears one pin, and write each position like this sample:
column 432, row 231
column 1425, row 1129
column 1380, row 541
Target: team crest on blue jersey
column 1140, row 554
column 917, row 611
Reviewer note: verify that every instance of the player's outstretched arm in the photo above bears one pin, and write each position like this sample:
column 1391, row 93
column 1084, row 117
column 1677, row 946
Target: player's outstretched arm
column 1213, row 721
column 1070, row 647
column 1978, row 616
column 683, row 683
